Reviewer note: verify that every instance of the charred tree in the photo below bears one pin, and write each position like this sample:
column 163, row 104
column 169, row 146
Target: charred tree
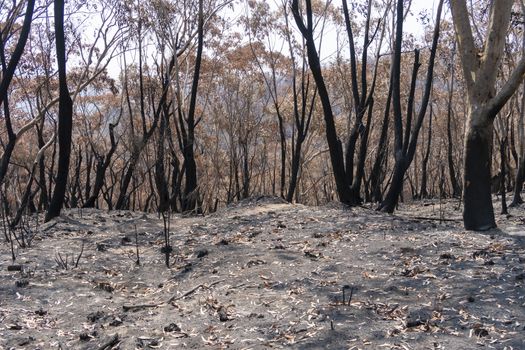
column 406, row 140
column 65, row 117
column 334, row 143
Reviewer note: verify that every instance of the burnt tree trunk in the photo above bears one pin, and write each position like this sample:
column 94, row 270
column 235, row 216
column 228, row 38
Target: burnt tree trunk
column 405, row 147
column 190, row 197
column 334, row 143
column 503, row 169
column 478, row 213
column 103, row 163
column 8, row 71
column 424, row 176
column 65, row 117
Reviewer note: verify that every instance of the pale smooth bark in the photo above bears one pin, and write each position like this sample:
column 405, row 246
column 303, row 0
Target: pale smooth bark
column 484, row 103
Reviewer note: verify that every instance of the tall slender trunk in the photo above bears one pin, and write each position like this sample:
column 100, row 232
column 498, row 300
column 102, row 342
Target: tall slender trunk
column 8, row 72
column 503, row 169
column 191, row 195
column 103, row 163
column 520, row 175
column 334, row 143
column 405, row 147
column 424, row 176
column 363, row 151
column 65, row 117
column 377, row 173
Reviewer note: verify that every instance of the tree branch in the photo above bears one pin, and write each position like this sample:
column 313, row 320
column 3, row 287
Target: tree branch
column 506, row 92
column 467, row 49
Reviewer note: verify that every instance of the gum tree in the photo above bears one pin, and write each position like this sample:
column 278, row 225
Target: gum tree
column 480, row 72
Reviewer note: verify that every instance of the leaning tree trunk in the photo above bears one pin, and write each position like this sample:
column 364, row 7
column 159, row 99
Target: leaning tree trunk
column 65, row 117
column 478, row 213
column 334, row 143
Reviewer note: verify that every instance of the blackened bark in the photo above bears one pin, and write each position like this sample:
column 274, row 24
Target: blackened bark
column 160, row 173
column 424, row 176
column 334, row 144
column 520, row 175
column 363, row 151
column 396, row 187
column 518, row 185
column 43, row 201
column 7, row 76
column 377, row 173
column 75, row 190
column 456, row 186
column 103, row 163
column 65, row 117
column 478, row 212
column 405, row 147
column 190, row 198
column 503, row 169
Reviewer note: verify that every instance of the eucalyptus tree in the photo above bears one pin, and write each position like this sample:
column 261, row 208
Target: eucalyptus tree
column 406, row 132
column 479, row 64
column 7, row 37
column 65, row 116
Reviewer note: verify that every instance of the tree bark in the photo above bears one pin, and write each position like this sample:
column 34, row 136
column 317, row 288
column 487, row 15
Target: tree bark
column 334, row 143
column 478, row 213
column 7, row 76
column 190, row 197
column 103, row 163
column 405, row 147
column 65, row 117
column 480, row 73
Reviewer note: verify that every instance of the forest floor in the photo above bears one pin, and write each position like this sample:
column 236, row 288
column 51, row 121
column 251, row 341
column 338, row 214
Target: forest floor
column 265, row 274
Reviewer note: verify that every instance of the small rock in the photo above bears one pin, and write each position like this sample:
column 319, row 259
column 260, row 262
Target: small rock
column 482, row 253
column 481, row 332
column 105, row 286
column 520, row 277
column 116, row 322
column 102, row 247
column 223, row 315
column 95, row 316
column 187, row 268
column 172, row 327
column 489, row 262
column 166, row 249
column 447, row 256
column 201, row 253
column 41, row 312
column 255, row 262
column 314, row 255
column 22, row 283
column 471, row 299
column 418, row 318
column 25, row 341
